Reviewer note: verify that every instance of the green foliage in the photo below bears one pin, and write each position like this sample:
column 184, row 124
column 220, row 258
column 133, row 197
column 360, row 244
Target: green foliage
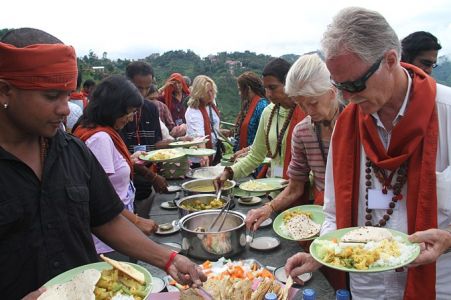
column 4, row 30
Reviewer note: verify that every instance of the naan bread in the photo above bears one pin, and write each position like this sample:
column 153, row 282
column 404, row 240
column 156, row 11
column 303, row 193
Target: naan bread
column 81, row 287
column 366, row 234
column 302, row 227
column 125, row 268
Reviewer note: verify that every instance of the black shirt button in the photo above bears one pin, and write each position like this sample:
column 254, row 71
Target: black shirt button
column 56, row 264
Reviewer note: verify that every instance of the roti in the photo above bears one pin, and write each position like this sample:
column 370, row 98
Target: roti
column 126, row 269
column 302, row 227
column 81, row 287
column 366, row 234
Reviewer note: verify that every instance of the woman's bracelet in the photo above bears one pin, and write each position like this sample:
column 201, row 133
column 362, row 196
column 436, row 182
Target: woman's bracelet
column 271, row 205
column 170, row 260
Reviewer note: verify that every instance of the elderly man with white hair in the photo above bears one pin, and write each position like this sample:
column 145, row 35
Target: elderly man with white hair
column 389, row 149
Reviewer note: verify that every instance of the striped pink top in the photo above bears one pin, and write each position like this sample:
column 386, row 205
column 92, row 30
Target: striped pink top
column 306, row 154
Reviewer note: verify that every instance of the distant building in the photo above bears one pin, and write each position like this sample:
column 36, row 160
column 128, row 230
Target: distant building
column 99, row 69
column 212, row 58
column 233, row 65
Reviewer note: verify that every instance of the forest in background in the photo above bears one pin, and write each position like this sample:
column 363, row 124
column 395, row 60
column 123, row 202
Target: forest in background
column 222, row 67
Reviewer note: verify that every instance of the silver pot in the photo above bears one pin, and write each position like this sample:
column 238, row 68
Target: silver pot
column 206, row 186
column 230, row 241
column 203, row 198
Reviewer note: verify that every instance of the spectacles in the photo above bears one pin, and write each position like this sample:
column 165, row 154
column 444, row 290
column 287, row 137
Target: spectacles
column 132, row 114
column 428, row 64
column 359, row 84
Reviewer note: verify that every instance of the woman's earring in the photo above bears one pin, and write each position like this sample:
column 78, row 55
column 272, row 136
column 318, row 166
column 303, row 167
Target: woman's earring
column 5, row 106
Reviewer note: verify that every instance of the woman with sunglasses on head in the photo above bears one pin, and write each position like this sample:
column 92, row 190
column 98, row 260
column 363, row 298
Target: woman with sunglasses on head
column 308, row 83
column 113, row 104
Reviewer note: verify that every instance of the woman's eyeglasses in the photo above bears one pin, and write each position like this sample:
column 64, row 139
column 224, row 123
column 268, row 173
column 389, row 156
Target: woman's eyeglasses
column 359, row 84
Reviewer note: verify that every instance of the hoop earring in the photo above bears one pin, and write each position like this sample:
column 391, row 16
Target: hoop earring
column 5, row 106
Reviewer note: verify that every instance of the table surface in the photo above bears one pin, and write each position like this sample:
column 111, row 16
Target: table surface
column 273, row 258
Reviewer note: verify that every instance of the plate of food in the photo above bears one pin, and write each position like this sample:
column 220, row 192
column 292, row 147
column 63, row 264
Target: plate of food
column 168, row 228
column 264, row 185
column 300, row 223
column 102, row 280
column 162, row 155
column 199, row 152
column 237, row 192
column 187, row 144
column 364, row 249
column 249, row 201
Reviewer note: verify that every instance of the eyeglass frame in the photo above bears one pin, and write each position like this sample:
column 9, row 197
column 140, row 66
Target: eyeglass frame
column 359, row 84
column 428, row 63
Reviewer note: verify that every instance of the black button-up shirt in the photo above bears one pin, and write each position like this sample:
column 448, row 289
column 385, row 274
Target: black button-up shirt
column 45, row 226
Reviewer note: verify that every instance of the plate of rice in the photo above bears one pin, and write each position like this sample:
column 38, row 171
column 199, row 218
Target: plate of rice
column 364, row 249
column 162, row 155
column 300, row 223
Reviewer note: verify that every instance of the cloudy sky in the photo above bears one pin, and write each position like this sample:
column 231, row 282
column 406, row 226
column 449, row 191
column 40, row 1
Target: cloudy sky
column 135, row 29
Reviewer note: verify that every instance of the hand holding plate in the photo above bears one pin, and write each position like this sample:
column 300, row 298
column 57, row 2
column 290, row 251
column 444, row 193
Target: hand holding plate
column 299, row 264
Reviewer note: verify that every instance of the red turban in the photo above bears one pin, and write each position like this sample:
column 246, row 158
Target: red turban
column 39, row 67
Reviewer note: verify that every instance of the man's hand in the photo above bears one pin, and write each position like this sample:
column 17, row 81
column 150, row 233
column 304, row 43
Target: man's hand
column 184, row 271
column 159, row 184
column 34, row 295
column 147, row 226
column 299, row 264
column 434, row 242
column 257, row 216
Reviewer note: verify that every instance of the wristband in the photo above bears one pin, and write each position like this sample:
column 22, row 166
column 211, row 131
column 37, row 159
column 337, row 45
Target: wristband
column 169, row 262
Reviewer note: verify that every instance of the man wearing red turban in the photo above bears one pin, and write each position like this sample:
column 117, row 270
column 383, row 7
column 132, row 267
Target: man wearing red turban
column 54, row 193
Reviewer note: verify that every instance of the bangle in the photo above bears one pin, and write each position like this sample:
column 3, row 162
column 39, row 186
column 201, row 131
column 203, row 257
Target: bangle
column 230, row 171
column 170, row 260
column 270, row 204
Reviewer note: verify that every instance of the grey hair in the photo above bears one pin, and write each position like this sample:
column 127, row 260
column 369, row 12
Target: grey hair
column 308, row 76
column 199, row 90
column 363, row 32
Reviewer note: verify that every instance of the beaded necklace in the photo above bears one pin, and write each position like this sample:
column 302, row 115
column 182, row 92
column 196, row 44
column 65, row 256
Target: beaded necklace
column 385, row 180
column 280, row 134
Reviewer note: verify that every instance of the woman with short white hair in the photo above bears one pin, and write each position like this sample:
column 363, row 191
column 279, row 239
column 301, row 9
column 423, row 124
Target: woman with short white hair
column 308, row 83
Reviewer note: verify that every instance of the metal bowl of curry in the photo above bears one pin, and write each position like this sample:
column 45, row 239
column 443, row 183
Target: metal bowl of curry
column 195, row 203
column 206, row 186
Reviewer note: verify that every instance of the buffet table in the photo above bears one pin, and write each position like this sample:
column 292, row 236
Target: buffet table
column 271, row 258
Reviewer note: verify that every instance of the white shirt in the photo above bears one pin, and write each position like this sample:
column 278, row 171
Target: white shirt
column 74, row 115
column 195, row 123
column 391, row 284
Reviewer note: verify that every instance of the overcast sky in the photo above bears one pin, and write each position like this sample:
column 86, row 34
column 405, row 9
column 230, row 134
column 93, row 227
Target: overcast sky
column 137, row 28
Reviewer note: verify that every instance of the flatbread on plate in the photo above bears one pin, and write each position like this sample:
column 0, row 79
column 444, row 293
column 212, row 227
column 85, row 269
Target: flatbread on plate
column 125, row 268
column 366, row 234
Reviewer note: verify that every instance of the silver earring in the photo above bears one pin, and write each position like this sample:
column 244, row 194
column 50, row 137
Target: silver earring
column 5, row 106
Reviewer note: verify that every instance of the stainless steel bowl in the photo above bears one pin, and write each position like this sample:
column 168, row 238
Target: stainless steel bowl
column 206, row 186
column 204, row 198
column 230, row 241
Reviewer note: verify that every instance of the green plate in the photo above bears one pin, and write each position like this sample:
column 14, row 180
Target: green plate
column 68, row 275
column 317, row 217
column 199, row 152
column 237, row 192
column 274, row 184
column 337, row 234
column 188, row 143
column 149, row 156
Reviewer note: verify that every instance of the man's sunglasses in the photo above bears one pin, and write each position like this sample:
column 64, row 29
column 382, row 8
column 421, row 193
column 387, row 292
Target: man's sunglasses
column 428, row 64
column 359, row 84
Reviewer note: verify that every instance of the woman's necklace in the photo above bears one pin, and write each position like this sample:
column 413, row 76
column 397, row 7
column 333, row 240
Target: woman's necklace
column 280, row 134
column 385, row 180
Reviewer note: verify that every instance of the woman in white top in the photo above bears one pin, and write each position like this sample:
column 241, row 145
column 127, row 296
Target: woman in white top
column 202, row 115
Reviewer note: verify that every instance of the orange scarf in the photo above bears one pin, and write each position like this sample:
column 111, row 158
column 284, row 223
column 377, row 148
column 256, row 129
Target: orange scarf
column 39, row 67
column 207, row 122
column 167, row 93
column 298, row 116
column 79, row 96
column 414, row 139
column 84, row 134
column 247, row 119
